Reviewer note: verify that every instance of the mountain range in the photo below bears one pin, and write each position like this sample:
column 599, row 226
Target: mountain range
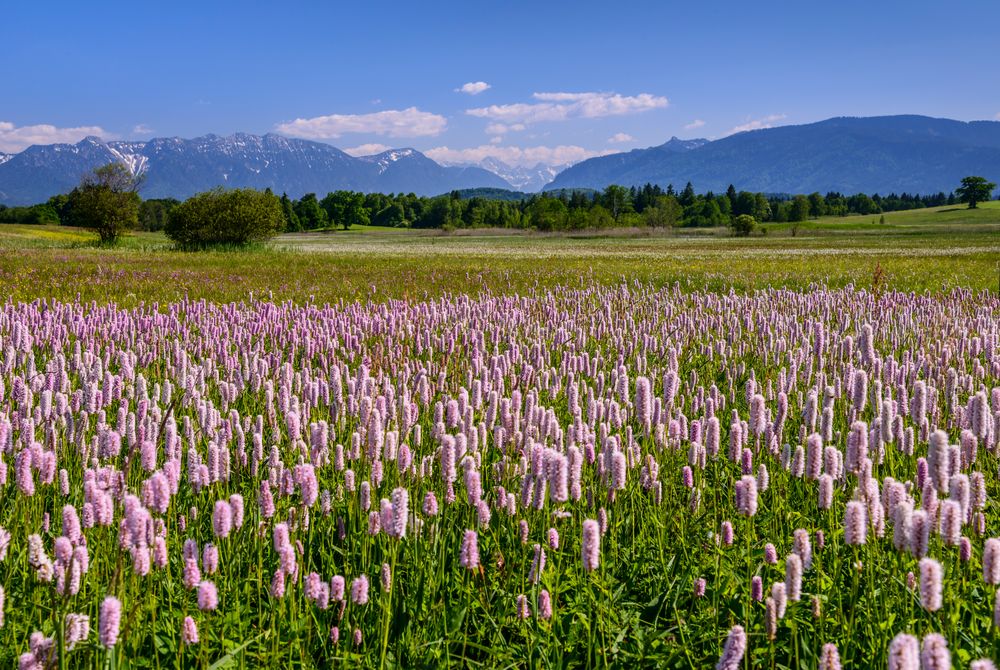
column 913, row 154
column 520, row 177
column 178, row 168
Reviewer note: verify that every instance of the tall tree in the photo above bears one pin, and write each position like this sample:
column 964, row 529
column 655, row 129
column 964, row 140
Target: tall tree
column 106, row 202
column 975, row 190
column 617, row 200
column 288, row 210
column 800, row 209
column 687, row 195
column 153, row 214
column 665, row 212
column 355, row 213
column 548, row 213
column 817, row 205
column 311, row 215
column 393, row 215
column 745, row 203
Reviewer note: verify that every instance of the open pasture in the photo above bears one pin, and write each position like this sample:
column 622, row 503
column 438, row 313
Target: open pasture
column 934, row 250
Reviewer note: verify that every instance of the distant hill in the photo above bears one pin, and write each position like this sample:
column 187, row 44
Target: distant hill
column 569, row 192
column 914, row 154
column 178, row 168
column 518, row 196
column 493, row 194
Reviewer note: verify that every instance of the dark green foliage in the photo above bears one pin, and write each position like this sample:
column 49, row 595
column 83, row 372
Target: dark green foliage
column 236, row 217
column 548, row 214
column 106, row 202
column 559, row 210
column 664, row 212
column 817, row 205
column 704, row 213
column 292, row 223
column 444, row 212
column 154, row 214
column 975, row 190
column 493, row 194
column 311, row 215
column 687, row 195
column 800, row 208
column 354, row 213
column 617, row 200
column 743, row 225
column 579, row 209
column 391, row 216
column 34, row 215
column 335, row 206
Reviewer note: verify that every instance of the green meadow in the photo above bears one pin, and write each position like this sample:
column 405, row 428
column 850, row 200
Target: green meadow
column 933, row 249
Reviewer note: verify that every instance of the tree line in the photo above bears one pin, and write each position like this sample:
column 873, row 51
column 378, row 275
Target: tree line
column 615, row 206
column 111, row 192
column 649, row 205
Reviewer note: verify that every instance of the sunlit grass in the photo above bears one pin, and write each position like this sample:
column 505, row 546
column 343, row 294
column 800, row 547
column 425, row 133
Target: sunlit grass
column 919, row 250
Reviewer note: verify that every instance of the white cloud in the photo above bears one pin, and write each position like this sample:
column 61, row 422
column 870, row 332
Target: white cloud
column 410, row 122
column 142, row 129
column 17, row 138
column 528, row 156
column 756, row 124
column 473, row 87
column 562, row 106
column 500, row 128
column 367, row 149
column 997, row 117
column 697, row 123
column 620, row 138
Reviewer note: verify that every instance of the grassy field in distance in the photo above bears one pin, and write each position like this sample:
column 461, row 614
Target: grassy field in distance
column 933, row 249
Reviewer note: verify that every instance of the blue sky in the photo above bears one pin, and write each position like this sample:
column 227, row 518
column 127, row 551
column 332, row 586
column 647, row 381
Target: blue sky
column 566, row 80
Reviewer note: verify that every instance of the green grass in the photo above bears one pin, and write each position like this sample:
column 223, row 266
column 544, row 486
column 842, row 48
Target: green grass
column 935, row 249
column 639, row 608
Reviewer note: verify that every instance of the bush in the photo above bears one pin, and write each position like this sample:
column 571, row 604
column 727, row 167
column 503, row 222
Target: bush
column 743, row 225
column 236, row 217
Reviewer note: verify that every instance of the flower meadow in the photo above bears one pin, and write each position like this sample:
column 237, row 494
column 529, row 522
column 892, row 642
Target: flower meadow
column 620, row 476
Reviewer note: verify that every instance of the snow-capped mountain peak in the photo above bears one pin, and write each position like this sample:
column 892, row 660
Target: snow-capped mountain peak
column 131, row 155
column 522, row 178
column 386, row 158
column 176, row 167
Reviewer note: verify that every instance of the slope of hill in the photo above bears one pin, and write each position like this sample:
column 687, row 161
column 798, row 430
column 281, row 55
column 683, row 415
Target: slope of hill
column 914, row 154
column 408, row 170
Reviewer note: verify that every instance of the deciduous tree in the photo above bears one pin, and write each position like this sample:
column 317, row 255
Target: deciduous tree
column 106, row 202
column 975, row 190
